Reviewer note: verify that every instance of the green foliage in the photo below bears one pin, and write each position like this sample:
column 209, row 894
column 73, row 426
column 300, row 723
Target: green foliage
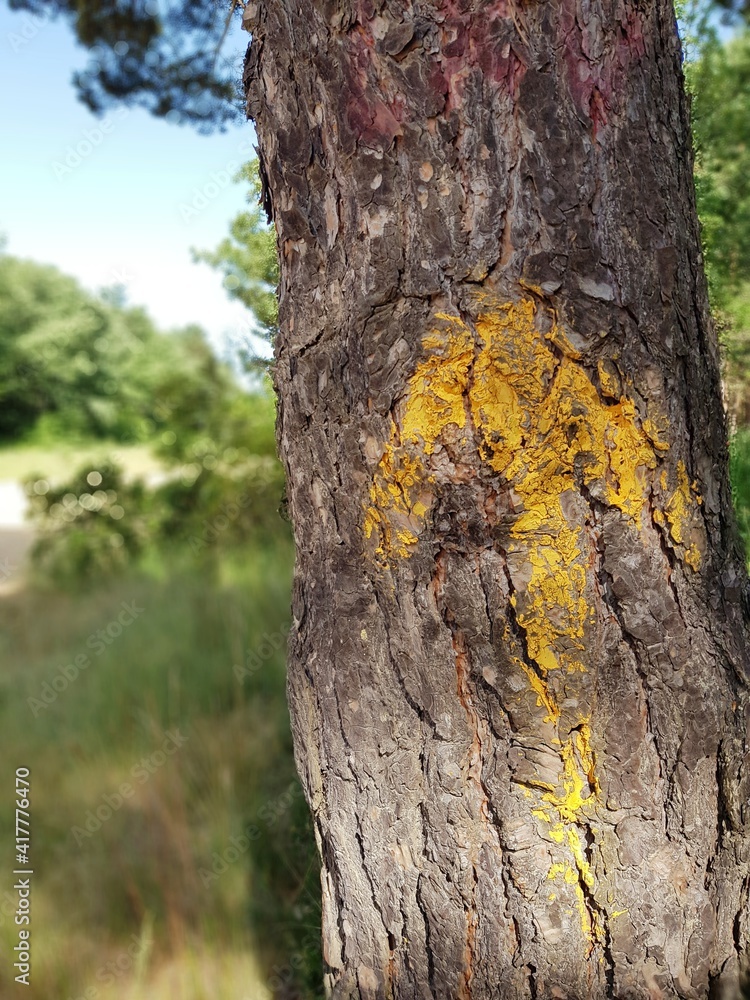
column 52, row 337
column 75, row 366
column 187, row 387
column 720, row 84
column 227, row 428
column 740, row 468
column 247, row 257
column 206, row 556
column 223, row 490
column 164, row 56
column 718, row 78
column 92, row 526
column 285, row 906
column 219, row 510
column 697, row 28
column 143, row 872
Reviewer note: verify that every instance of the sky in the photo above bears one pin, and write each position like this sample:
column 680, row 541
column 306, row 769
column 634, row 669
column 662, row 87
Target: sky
column 119, row 200
column 129, row 209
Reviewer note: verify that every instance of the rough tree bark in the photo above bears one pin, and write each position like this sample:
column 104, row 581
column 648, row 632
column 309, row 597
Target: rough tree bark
column 518, row 671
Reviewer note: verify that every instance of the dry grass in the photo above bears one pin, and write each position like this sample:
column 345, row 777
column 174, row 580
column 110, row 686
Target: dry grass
column 144, row 889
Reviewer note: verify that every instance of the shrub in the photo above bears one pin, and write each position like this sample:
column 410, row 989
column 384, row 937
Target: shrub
column 93, row 526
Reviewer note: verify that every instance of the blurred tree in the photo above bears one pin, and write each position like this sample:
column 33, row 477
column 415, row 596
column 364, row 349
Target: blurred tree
column 91, row 368
column 157, row 54
column 74, row 365
column 247, row 257
column 62, row 352
column 719, row 80
column 92, row 526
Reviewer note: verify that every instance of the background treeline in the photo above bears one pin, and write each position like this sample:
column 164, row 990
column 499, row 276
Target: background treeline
column 718, row 78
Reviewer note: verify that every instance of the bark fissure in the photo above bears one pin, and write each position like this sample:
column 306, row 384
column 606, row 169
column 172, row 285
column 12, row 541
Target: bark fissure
column 643, row 667
column 477, row 754
column 428, row 942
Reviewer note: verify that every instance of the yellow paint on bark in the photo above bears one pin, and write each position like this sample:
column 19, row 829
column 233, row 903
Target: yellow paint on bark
column 541, row 689
column 520, row 397
column 544, row 427
column 570, row 875
column 393, row 510
column 679, row 511
column 435, row 399
column 578, row 776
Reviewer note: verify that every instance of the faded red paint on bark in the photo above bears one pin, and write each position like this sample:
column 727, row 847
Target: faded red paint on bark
column 597, row 67
column 468, row 44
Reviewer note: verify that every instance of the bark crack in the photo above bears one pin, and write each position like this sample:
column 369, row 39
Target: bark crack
column 519, row 632
column 428, row 936
column 419, row 710
column 376, row 904
column 479, row 752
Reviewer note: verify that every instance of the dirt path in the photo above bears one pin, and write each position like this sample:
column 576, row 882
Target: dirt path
column 16, row 536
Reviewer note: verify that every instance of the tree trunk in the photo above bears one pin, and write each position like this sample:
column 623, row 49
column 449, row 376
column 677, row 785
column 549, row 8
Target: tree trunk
column 518, row 671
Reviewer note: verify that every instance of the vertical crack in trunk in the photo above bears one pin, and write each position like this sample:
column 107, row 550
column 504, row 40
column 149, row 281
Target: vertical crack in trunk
column 479, row 752
column 429, row 944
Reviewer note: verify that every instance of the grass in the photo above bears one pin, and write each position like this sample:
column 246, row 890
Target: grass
column 156, row 885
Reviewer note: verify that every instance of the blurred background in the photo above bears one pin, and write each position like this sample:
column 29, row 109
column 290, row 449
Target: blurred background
column 145, row 553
